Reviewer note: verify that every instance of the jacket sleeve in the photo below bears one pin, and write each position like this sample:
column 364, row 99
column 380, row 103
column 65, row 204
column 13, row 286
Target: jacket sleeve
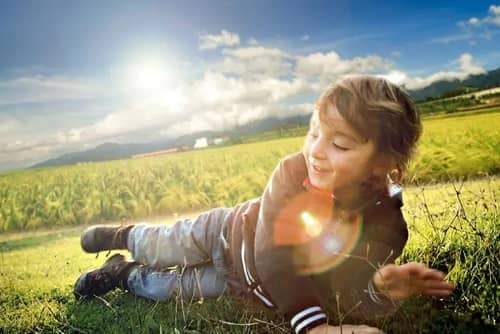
column 388, row 235
column 295, row 295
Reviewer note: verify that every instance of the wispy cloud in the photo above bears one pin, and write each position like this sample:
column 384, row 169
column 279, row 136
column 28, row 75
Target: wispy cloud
column 255, row 62
column 39, row 88
column 452, row 38
column 467, row 67
column 396, row 54
column 252, row 41
column 329, row 44
column 327, row 67
column 225, row 38
column 492, row 19
column 474, row 29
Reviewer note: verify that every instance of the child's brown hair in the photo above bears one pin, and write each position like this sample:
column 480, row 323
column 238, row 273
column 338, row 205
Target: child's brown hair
column 379, row 111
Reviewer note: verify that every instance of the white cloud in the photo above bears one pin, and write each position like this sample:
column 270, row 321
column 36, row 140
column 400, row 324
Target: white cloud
column 396, row 54
column 475, row 29
column 328, row 67
column 467, row 68
column 492, row 19
column 7, row 123
column 255, row 52
column 473, row 21
column 19, row 151
column 216, row 101
column 255, row 61
column 252, row 41
column 300, row 109
column 305, row 37
column 41, row 89
column 452, row 38
column 495, row 10
column 225, row 38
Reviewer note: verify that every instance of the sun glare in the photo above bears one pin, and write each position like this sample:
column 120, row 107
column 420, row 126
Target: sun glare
column 148, row 78
column 151, row 81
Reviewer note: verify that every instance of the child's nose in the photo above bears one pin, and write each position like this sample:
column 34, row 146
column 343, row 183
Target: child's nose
column 318, row 148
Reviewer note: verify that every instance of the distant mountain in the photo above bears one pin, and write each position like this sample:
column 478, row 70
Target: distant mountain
column 114, row 151
column 489, row 79
column 106, row 151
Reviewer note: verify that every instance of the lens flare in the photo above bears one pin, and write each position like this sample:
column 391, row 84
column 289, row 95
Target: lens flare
column 329, row 248
column 331, row 244
column 320, row 237
column 303, row 218
column 312, row 225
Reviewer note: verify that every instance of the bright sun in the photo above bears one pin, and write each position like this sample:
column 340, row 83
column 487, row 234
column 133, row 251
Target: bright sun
column 148, row 78
column 151, row 81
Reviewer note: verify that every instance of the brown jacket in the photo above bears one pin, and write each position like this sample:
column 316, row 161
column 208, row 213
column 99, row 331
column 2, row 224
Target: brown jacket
column 297, row 266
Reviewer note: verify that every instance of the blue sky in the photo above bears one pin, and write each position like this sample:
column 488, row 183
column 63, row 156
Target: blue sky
column 74, row 74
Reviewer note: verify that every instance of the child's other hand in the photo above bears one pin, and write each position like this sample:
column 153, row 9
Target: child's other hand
column 327, row 329
column 406, row 280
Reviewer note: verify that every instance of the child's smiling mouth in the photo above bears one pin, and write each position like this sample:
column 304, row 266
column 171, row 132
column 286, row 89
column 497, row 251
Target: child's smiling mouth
column 318, row 170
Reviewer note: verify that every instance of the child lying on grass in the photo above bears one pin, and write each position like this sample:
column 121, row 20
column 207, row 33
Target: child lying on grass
column 325, row 231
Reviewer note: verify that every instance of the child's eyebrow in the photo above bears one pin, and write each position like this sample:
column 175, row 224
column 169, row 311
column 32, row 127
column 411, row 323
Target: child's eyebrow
column 348, row 136
column 331, row 132
column 335, row 133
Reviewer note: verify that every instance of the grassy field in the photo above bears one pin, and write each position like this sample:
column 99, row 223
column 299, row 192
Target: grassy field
column 453, row 227
column 458, row 234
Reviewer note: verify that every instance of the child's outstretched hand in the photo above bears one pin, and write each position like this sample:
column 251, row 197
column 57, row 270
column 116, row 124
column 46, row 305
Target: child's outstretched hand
column 402, row 281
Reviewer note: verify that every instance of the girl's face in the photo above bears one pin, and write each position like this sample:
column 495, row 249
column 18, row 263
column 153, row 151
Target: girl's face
column 338, row 159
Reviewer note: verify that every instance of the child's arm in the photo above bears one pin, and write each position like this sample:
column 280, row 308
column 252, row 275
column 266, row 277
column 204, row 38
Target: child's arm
column 384, row 282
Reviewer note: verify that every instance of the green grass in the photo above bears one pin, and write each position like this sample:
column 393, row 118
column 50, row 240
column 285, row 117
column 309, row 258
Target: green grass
column 458, row 234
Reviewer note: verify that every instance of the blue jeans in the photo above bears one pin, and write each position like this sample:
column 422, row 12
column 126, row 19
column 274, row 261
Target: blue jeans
column 185, row 259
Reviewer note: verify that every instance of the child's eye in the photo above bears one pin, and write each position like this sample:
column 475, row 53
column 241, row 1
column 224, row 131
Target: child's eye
column 342, row 148
column 313, row 135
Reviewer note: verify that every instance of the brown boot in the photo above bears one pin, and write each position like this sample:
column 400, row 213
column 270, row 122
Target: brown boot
column 113, row 274
column 105, row 237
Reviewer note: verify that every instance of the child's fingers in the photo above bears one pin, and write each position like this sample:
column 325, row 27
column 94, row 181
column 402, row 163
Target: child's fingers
column 433, row 274
column 437, row 292
column 437, row 284
column 414, row 268
column 437, row 288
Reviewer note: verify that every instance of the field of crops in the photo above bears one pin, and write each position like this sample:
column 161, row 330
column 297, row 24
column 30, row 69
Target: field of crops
column 452, row 148
column 453, row 227
column 448, row 106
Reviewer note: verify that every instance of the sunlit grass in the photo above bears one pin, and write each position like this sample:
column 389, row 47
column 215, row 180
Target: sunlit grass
column 38, row 269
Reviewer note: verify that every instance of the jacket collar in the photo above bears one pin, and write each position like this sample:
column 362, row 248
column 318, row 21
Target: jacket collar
column 393, row 192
